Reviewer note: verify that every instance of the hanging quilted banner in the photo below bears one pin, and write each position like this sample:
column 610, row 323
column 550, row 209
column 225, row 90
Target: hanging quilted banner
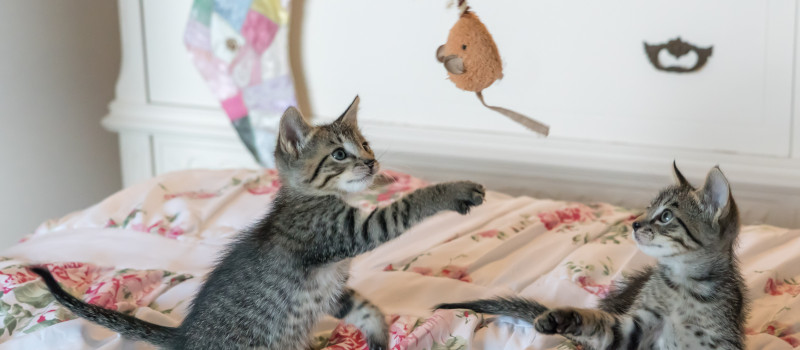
column 240, row 47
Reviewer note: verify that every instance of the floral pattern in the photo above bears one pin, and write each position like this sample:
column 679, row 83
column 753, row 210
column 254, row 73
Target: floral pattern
column 779, row 287
column 582, row 275
column 191, row 195
column 783, row 291
column 135, row 221
column 346, row 337
column 116, row 293
column 448, row 271
column 267, row 183
column 26, row 305
column 436, row 332
column 576, row 213
column 400, row 327
column 455, row 272
column 568, row 217
column 786, row 332
column 600, row 290
column 503, row 247
column 169, row 205
column 494, row 233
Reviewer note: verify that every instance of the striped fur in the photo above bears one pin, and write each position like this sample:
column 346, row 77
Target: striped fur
column 282, row 275
column 692, row 299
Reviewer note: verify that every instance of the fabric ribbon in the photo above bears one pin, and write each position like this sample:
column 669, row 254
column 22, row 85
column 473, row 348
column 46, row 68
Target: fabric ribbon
column 527, row 122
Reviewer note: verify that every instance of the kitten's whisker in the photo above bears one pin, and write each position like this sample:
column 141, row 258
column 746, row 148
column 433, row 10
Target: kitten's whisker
column 378, row 158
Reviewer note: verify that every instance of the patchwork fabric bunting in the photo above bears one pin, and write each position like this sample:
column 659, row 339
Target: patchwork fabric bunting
column 240, row 48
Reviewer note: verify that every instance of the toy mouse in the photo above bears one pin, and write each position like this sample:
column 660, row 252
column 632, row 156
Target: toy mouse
column 473, row 62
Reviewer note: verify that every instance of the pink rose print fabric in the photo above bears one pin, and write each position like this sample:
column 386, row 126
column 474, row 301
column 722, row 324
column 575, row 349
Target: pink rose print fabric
column 144, row 251
column 576, row 213
column 175, row 207
column 346, row 337
column 780, row 287
column 28, row 306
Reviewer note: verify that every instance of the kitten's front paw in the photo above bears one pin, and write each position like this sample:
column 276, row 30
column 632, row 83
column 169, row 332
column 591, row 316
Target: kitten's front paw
column 559, row 321
column 465, row 195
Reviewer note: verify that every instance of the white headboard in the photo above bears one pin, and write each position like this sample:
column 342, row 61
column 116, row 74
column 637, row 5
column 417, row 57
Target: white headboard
column 617, row 122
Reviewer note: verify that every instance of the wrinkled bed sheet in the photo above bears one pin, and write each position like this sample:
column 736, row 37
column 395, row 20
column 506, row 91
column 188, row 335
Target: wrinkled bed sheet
column 145, row 250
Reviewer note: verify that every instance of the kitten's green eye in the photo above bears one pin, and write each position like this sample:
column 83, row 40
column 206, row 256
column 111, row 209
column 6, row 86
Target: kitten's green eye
column 666, row 216
column 366, row 147
column 339, row 154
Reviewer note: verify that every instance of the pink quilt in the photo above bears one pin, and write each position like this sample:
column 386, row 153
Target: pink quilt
column 144, row 251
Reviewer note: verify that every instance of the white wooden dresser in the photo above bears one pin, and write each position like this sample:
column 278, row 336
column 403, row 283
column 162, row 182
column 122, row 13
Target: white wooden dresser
column 618, row 116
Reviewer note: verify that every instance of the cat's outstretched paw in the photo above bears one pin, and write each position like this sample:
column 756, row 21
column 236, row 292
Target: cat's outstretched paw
column 464, row 195
column 559, row 321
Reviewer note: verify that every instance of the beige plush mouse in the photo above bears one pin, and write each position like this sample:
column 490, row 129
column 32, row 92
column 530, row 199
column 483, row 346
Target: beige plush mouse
column 473, row 62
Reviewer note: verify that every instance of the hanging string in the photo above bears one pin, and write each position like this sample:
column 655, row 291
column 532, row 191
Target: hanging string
column 529, row 123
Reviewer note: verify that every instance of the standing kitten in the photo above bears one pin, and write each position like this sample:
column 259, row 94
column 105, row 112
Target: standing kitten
column 692, row 299
column 280, row 277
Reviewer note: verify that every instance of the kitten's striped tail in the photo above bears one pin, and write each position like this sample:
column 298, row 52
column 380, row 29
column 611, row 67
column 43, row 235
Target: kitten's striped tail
column 523, row 309
column 128, row 326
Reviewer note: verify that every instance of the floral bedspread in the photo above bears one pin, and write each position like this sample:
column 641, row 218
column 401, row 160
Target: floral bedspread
column 145, row 250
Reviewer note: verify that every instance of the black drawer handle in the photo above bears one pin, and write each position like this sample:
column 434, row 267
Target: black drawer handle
column 677, row 48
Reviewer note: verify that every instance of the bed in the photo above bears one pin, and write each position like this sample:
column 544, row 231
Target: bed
column 145, row 250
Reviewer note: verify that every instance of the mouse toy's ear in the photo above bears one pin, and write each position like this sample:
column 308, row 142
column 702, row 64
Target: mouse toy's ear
column 454, row 64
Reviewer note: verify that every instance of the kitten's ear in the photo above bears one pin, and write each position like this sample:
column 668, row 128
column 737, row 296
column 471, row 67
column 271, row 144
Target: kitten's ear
column 679, row 179
column 716, row 193
column 349, row 117
column 294, row 131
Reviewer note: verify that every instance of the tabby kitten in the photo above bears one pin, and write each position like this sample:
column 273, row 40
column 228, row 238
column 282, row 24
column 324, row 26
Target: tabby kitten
column 693, row 298
column 281, row 276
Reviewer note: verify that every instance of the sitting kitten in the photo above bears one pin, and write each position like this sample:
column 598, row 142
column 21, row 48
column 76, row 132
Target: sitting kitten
column 692, row 299
column 281, row 276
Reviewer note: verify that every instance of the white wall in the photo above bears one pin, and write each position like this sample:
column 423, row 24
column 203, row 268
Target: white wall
column 58, row 64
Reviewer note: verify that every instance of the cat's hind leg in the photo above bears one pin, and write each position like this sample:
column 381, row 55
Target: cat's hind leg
column 353, row 308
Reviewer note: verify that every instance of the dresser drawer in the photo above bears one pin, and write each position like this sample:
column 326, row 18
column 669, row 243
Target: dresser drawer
column 579, row 65
column 179, row 152
column 172, row 78
column 592, row 73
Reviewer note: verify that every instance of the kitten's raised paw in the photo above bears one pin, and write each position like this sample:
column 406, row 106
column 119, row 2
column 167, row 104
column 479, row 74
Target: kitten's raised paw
column 465, row 195
column 559, row 321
